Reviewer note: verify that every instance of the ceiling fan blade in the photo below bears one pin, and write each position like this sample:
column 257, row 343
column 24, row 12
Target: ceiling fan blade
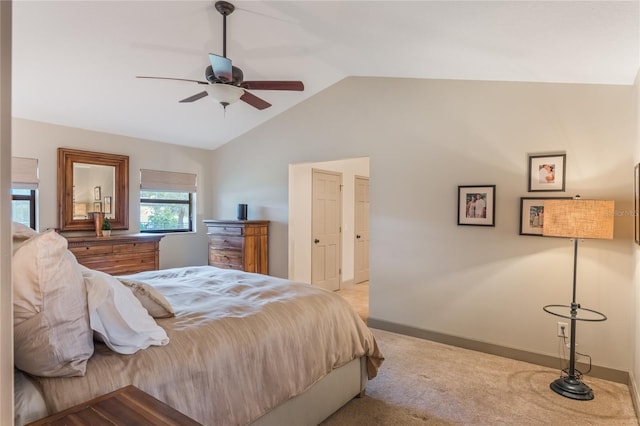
column 254, row 101
column 195, row 97
column 171, row 78
column 222, row 68
column 273, row 85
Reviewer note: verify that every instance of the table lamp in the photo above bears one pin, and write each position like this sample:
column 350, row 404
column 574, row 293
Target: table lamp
column 577, row 219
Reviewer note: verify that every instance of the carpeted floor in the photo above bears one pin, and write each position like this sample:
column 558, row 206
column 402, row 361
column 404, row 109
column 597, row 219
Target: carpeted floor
column 428, row 383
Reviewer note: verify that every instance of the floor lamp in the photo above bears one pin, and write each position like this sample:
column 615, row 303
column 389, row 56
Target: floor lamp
column 577, row 219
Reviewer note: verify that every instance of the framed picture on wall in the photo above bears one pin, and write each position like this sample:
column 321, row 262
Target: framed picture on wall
column 97, row 206
column 547, row 172
column 532, row 214
column 636, row 202
column 107, row 205
column 477, row 205
column 96, row 193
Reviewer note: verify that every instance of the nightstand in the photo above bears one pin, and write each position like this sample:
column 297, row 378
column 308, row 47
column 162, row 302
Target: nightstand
column 125, row 406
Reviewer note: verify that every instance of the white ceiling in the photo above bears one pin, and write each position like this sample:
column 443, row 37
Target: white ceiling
column 75, row 62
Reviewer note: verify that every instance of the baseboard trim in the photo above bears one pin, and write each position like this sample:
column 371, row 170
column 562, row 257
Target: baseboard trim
column 635, row 396
column 605, row 373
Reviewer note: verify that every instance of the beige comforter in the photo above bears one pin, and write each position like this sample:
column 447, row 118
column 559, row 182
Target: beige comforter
column 240, row 344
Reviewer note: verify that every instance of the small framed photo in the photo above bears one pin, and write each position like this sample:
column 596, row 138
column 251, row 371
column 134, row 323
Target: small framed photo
column 96, row 193
column 97, row 206
column 532, row 214
column 477, row 205
column 107, row 204
column 547, row 172
column 636, row 202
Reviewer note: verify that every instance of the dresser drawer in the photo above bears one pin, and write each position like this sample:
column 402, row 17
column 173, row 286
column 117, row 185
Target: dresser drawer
column 226, row 230
column 133, row 247
column 121, row 264
column 218, row 242
column 227, row 266
column 232, row 257
column 81, row 251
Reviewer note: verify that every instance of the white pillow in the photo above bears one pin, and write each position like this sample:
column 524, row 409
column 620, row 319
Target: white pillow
column 152, row 300
column 117, row 316
column 52, row 336
column 21, row 234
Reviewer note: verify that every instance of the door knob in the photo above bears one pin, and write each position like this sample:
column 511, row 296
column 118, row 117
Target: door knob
column 316, row 241
column 358, row 236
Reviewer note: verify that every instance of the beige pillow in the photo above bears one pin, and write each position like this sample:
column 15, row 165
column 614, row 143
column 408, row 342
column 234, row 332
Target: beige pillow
column 152, row 300
column 52, row 335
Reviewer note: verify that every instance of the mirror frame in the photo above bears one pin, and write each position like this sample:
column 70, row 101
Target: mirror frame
column 66, row 159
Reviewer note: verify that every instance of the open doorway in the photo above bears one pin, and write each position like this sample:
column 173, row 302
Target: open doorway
column 300, row 214
column 300, row 218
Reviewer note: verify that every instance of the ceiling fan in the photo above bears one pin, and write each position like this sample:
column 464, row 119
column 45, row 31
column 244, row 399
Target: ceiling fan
column 225, row 83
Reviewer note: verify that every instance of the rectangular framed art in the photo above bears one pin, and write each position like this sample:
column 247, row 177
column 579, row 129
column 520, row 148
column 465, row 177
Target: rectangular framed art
column 532, row 214
column 107, row 205
column 477, row 205
column 97, row 206
column 547, row 172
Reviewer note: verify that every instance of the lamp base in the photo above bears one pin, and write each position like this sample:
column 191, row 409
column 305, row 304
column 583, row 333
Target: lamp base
column 573, row 388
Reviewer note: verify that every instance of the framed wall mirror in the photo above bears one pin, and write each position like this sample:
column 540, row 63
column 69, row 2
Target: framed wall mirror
column 91, row 182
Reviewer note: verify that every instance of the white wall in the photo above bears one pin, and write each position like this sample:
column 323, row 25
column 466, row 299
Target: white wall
column 41, row 140
column 426, row 137
column 300, row 183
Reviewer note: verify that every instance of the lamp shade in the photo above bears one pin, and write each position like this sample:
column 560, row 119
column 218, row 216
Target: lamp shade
column 578, row 219
column 226, row 94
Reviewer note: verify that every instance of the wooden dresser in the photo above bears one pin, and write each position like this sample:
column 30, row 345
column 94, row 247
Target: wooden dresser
column 125, row 406
column 239, row 244
column 118, row 254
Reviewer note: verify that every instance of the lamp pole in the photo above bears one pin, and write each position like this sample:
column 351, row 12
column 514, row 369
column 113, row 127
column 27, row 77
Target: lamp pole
column 571, row 386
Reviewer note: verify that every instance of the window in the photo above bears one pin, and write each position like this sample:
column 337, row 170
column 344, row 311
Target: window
column 166, row 201
column 24, row 183
column 23, row 207
column 165, row 211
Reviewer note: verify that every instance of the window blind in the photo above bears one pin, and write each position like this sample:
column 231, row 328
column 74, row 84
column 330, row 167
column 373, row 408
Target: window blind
column 157, row 180
column 24, row 173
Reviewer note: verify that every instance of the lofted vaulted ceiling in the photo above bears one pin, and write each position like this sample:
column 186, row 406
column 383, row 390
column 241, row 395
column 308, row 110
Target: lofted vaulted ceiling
column 75, row 62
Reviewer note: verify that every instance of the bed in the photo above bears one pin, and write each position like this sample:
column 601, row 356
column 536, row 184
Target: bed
column 224, row 347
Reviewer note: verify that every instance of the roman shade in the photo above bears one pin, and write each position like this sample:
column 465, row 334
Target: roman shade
column 24, row 173
column 157, row 180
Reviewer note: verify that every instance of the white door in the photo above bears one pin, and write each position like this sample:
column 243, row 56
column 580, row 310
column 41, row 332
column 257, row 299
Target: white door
column 361, row 230
column 326, row 196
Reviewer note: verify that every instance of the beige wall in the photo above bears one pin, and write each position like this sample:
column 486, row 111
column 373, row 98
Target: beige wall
column 41, row 141
column 426, row 137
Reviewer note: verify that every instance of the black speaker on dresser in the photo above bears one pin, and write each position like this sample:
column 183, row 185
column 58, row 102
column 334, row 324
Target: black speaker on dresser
column 242, row 212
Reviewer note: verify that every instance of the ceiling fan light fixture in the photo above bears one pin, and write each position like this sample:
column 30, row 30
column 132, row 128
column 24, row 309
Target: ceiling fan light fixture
column 224, row 94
